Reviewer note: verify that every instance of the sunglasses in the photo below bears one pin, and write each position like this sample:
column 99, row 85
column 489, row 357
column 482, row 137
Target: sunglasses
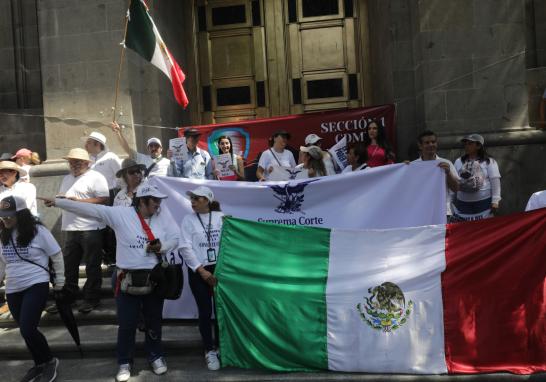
column 134, row 172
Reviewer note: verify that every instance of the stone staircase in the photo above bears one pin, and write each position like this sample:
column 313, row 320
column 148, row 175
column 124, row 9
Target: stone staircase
column 182, row 345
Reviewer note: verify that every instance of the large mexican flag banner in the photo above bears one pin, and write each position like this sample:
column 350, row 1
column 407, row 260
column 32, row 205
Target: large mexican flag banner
column 460, row 298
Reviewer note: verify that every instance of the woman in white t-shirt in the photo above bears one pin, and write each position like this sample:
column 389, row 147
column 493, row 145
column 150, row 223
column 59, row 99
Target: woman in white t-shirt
column 135, row 253
column 479, row 185
column 276, row 155
column 11, row 183
column 25, row 251
column 199, row 244
column 312, row 161
column 357, row 156
column 131, row 175
column 225, row 146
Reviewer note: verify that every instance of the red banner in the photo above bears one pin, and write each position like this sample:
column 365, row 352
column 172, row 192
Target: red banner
column 249, row 138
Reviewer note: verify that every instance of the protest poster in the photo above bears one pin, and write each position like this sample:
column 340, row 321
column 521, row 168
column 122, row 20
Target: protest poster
column 179, row 148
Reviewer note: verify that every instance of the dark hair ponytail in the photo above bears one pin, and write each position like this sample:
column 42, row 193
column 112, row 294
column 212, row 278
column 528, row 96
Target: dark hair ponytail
column 214, row 206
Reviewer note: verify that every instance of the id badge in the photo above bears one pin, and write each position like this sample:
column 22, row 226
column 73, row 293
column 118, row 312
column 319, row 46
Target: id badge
column 211, row 255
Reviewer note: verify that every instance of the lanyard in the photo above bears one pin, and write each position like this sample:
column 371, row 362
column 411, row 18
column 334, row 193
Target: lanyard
column 207, row 232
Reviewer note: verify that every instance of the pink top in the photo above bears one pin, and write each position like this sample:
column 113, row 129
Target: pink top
column 377, row 156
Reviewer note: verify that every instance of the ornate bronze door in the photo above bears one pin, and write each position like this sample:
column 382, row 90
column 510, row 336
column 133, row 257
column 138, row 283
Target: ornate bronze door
column 265, row 58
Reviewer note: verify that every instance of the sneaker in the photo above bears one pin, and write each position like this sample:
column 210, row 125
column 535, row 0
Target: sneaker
column 49, row 374
column 32, row 373
column 87, row 306
column 52, row 309
column 213, row 363
column 124, row 372
column 4, row 309
column 159, row 366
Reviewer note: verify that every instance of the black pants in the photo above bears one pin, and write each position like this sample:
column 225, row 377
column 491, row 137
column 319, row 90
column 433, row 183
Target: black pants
column 202, row 293
column 26, row 307
column 86, row 245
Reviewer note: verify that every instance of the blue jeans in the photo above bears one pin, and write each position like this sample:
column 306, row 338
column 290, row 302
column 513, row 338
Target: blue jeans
column 26, row 307
column 129, row 310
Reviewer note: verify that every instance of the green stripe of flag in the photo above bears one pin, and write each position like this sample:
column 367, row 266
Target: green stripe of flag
column 271, row 290
column 140, row 35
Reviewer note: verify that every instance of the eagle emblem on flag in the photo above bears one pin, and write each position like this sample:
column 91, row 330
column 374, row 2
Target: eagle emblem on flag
column 385, row 308
column 291, row 196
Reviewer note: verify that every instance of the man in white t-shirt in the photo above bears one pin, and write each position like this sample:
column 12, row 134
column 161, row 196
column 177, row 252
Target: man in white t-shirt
column 108, row 164
column 83, row 235
column 103, row 160
column 154, row 161
column 428, row 146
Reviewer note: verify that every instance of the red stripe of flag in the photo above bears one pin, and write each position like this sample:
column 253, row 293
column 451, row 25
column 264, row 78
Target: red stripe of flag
column 494, row 295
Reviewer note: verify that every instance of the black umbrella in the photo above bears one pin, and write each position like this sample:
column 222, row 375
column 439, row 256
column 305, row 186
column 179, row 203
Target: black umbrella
column 63, row 301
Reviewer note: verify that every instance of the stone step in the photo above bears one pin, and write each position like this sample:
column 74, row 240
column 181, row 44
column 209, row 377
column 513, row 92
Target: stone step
column 105, row 291
column 191, row 367
column 106, row 280
column 98, row 341
column 105, row 314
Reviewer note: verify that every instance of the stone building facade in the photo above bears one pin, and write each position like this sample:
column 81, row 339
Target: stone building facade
column 453, row 66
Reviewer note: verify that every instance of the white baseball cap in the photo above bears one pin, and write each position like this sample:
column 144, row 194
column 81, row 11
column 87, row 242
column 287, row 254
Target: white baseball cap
column 311, row 139
column 154, row 140
column 146, row 189
column 314, row 151
column 11, row 204
column 202, row 191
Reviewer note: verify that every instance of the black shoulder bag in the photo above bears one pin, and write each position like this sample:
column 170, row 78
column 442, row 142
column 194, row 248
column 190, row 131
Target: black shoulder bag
column 168, row 279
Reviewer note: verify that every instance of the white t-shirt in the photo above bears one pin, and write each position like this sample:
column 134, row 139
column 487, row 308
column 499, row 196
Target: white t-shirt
column 90, row 184
column 328, row 164
column 286, row 159
column 20, row 274
column 131, row 239
column 536, row 201
column 490, row 171
column 122, row 199
column 453, row 172
column 23, row 189
column 349, row 168
column 27, row 168
column 193, row 237
column 161, row 167
column 107, row 163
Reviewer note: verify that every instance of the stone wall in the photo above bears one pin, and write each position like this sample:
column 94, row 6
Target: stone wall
column 463, row 66
column 20, row 78
column 455, row 67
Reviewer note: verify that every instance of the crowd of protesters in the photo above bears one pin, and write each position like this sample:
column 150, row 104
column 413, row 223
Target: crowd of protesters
column 103, row 191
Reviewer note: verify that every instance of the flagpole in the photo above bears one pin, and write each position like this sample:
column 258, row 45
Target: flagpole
column 121, row 57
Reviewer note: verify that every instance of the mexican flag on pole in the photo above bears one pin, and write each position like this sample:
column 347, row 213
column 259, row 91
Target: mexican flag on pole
column 143, row 37
column 459, row 298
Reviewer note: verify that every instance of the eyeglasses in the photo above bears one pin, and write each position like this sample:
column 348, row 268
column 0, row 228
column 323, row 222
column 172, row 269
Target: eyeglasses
column 134, row 172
